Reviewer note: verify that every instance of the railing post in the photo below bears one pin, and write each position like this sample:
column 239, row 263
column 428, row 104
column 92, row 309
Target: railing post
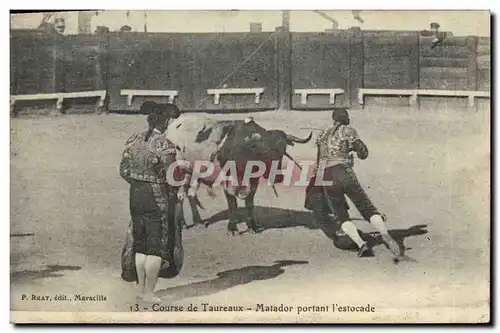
column 356, row 64
column 13, row 73
column 415, row 70
column 472, row 65
column 102, row 70
column 59, row 71
column 284, row 69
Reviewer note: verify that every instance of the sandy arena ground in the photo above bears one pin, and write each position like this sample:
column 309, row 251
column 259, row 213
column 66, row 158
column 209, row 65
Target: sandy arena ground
column 428, row 171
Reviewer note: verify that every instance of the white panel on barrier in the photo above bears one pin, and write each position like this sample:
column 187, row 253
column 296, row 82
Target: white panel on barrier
column 305, row 92
column 130, row 93
column 389, row 92
column 236, row 91
column 60, row 97
column 414, row 93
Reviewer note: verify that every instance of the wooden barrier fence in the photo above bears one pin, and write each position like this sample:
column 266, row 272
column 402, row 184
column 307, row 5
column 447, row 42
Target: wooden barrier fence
column 245, row 71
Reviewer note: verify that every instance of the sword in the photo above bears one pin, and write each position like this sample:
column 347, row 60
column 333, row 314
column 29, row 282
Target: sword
column 275, row 192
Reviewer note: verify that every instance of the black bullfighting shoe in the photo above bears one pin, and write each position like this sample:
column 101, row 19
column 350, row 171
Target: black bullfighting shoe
column 363, row 250
column 232, row 228
column 344, row 242
column 340, row 233
column 393, row 247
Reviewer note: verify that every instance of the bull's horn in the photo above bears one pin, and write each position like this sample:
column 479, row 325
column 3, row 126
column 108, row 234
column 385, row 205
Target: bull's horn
column 291, row 158
column 293, row 138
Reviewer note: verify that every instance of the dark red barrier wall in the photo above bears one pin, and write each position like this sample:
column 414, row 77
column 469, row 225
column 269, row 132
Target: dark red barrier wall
column 46, row 64
column 391, row 60
column 33, row 63
column 141, row 61
column 484, row 64
column 84, row 68
column 444, row 66
column 238, row 60
column 320, row 61
column 191, row 64
column 279, row 62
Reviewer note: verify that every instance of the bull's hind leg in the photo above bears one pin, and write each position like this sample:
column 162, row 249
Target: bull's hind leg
column 232, row 204
column 252, row 224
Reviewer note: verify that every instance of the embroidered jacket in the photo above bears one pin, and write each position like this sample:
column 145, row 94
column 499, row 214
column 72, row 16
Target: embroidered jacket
column 147, row 160
column 335, row 145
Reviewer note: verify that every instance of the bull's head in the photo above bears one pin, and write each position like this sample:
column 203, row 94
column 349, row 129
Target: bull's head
column 247, row 141
column 284, row 140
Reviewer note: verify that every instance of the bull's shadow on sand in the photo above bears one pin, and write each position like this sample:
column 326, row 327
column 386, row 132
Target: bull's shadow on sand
column 50, row 272
column 270, row 217
column 277, row 218
column 227, row 279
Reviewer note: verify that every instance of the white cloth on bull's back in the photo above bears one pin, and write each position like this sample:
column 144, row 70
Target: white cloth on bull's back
column 183, row 131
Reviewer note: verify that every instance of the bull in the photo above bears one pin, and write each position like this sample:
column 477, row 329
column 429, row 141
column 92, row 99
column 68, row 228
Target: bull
column 199, row 138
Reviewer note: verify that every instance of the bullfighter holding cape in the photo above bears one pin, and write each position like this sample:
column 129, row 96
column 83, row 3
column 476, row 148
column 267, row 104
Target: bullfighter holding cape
column 153, row 246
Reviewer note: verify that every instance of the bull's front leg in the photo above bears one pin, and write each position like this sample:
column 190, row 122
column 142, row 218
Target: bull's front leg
column 188, row 199
column 252, row 224
column 232, row 204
